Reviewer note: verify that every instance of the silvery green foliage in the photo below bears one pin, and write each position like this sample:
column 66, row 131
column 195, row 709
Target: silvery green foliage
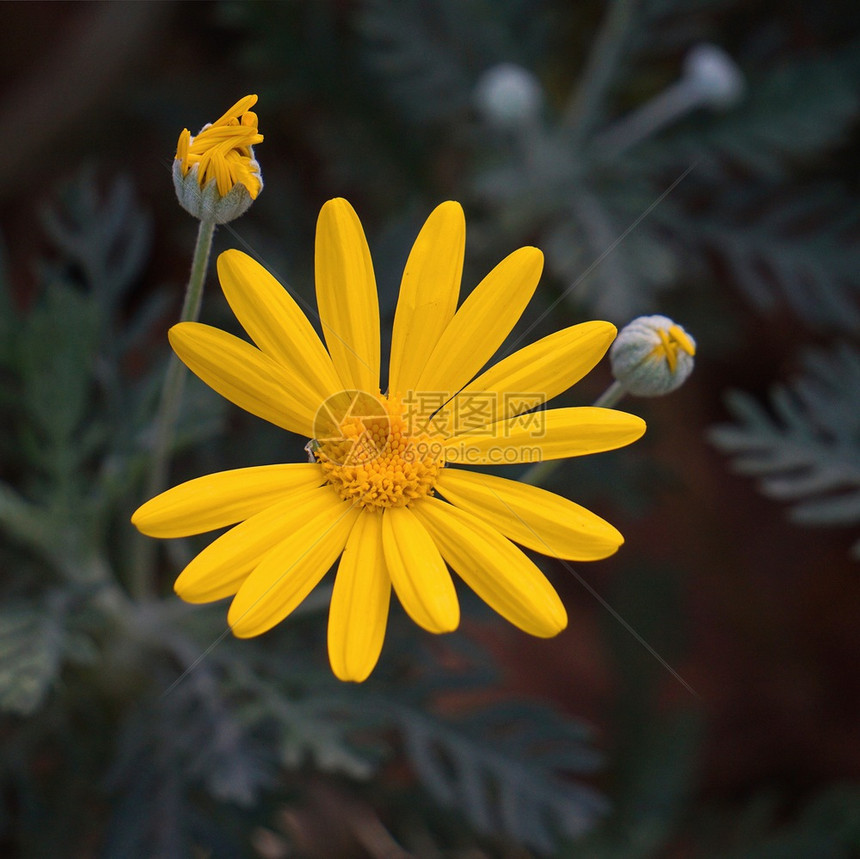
column 507, row 770
column 791, row 111
column 796, row 249
column 35, row 639
column 512, row 769
column 63, row 418
column 588, row 204
column 805, row 450
column 72, row 420
column 72, row 456
column 429, row 55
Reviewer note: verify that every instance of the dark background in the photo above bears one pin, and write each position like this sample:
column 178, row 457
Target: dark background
column 758, row 615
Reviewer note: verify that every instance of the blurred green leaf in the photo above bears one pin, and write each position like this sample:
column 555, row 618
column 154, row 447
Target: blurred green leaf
column 32, row 639
column 808, row 451
column 794, row 111
column 801, row 250
column 502, row 772
column 428, row 56
column 103, row 233
column 57, row 348
column 828, row 828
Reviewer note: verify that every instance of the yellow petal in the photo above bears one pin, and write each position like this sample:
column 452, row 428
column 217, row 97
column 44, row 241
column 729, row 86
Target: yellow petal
column 531, row 516
column 358, row 613
column 498, row 572
column 543, row 435
column 536, row 373
column 243, row 375
column 428, row 297
column 419, row 575
column 346, row 296
column 237, row 110
column 276, row 323
column 217, row 500
column 223, row 565
column 482, row 323
column 290, row 570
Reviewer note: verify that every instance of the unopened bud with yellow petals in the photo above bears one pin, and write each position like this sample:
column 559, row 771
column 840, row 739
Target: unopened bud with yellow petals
column 215, row 173
column 652, row 356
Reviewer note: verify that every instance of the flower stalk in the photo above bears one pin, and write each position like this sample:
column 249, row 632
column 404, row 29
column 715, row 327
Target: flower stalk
column 538, row 473
column 582, row 113
column 168, row 407
column 710, row 79
column 216, row 178
column 651, row 356
column 612, row 396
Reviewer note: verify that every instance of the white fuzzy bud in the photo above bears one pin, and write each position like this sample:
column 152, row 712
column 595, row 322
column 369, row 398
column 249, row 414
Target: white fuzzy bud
column 652, row 356
column 207, row 204
column 715, row 75
column 508, row 96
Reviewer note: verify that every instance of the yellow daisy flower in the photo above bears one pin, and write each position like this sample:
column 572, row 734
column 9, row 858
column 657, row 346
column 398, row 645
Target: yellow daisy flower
column 383, row 492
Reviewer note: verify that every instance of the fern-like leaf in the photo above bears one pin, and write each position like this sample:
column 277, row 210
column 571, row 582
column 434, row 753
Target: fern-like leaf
column 792, row 112
column 808, row 451
column 429, row 54
column 33, row 642
column 502, row 770
column 106, row 235
column 802, row 251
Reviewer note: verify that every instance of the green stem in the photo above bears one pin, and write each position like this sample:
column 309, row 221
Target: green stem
column 540, row 471
column 611, row 396
column 168, row 408
column 582, row 111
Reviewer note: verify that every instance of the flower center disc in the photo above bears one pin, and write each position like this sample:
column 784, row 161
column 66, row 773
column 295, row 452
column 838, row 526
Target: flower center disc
column 371, row 453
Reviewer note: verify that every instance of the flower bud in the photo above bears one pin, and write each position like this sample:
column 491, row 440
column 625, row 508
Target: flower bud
column 652, row 356
column 508, row 96
column 715, row 74
column 215, row 174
